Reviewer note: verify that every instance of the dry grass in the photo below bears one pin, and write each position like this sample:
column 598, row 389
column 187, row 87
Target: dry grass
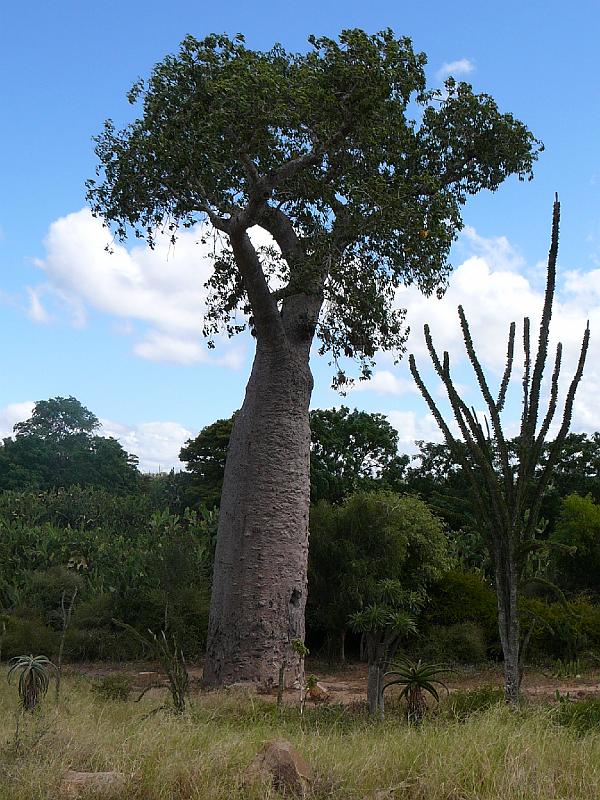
column 494, row 754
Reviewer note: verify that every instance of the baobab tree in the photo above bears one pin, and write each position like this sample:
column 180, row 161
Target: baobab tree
column 321, row 151
column 506, row 484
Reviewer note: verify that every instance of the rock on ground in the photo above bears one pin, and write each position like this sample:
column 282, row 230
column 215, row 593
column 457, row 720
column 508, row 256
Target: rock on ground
column 279, row 763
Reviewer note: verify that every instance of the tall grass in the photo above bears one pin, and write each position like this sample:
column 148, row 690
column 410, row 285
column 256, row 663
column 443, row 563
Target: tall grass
column 492, row 754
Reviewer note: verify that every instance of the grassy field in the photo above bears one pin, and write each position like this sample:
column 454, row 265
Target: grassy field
column 490, row 754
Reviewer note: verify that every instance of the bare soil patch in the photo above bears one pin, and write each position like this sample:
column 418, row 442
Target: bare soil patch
column 347, row 685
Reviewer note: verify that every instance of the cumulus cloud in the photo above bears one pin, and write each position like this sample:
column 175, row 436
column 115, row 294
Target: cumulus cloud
column 413, row 427
column 458, row 68
column 13, row 413
column 384, row 381
column 162, row 290
column 156, row 444
column 495, row 287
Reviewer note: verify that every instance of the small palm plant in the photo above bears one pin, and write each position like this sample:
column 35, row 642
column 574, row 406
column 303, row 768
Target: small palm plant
column 34, row 678
column 418, row 680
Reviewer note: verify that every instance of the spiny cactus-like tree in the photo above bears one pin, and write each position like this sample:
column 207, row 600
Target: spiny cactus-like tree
column 507, row 490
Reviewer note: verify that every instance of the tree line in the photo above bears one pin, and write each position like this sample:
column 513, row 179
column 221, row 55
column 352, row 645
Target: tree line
column 397, row 556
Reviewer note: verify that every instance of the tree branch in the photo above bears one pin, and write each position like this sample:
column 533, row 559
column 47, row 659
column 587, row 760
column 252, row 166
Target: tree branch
column 487, row 396
column 267, row 320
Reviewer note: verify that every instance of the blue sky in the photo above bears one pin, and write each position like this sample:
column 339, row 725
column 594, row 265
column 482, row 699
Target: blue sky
column 68, row 326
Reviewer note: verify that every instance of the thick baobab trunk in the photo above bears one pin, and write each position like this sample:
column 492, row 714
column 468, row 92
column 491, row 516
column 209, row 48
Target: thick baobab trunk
column 508, row 624
column 260, row 574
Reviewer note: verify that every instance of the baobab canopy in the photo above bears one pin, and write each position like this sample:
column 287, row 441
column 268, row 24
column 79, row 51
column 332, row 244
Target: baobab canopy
column 342, row 154
column 358, row 173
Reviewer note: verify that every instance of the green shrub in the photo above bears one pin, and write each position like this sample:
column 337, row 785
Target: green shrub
column 27, row 635
column 462, row 643
column 562, row 631
column 95, row 612
column 462, row 703
column 101, row 644
column 113, row 687
column 463, row 597
column 46, row 588
column 583, row 716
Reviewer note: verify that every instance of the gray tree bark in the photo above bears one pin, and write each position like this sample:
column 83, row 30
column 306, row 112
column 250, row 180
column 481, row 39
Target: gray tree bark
column 260, row 574
column 508, row 623
column 377, row 657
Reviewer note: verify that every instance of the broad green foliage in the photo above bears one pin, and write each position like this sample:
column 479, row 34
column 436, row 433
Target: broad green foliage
column 462, row 597
column 461, row 643
column 58, row 418
column 367, row 552
column 436, row 478
column 579, row 527
column 125, row 559
column 351, row 451
column 342, row 147
column 205, row 458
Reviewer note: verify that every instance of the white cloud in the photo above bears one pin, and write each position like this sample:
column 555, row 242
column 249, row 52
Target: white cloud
column 463, row 66
column 13, row 413
column 163, row 289
column 384, row 381
column 413, row 427
column 157, row 444
column 36, row 310
column 495, row 287
column 159, row 346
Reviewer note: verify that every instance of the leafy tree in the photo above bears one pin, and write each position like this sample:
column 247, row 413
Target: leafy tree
column 57, row 447
column 436, row 478
column 350, row 451
column 371, row 561
column 58, row 418
column 508, row 492
column 577, row 471
column 578, row 527
column 321, row 150
column 205, row 458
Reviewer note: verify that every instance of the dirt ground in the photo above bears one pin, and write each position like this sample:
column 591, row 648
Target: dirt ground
column 348, row 685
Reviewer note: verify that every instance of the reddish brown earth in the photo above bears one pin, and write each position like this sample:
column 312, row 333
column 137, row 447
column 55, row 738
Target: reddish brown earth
column 348, row 685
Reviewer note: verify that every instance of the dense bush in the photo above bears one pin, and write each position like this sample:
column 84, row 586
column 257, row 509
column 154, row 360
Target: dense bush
column 126, row 561
column 101, row 644
column 113, row 687
column 561, row 630
column 582, row 716
column 462, row 597
column 28, row 634
column 462, row 643
column 463, row 703
column 578, row 527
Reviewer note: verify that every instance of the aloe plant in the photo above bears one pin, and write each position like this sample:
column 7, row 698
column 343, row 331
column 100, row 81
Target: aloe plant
column 34, row 678
column 418, row 680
